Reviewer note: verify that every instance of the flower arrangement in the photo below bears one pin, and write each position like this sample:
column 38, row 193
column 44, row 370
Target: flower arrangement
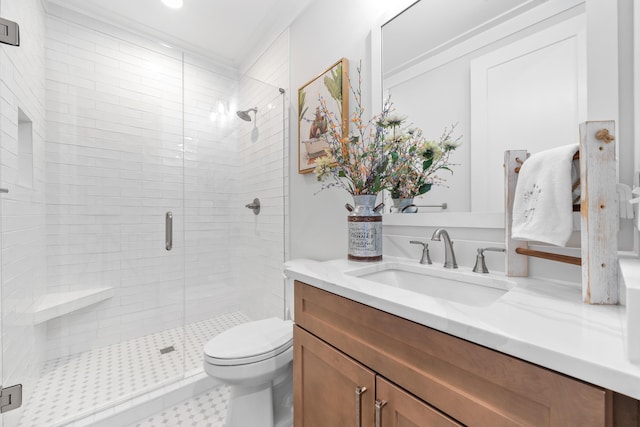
column 381, row 153
column 413, row 160
column 358, row 161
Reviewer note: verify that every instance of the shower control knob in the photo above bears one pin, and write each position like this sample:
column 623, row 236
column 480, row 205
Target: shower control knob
column 254, row 206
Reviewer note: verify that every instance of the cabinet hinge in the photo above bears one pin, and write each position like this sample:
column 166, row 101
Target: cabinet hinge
column 10, row 398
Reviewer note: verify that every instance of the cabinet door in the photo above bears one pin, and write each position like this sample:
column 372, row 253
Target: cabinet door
column 329, row 388
column 397, row 408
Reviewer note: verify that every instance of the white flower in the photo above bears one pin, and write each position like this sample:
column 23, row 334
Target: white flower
column 431, row 150
column 450, row 144
column 392, row 120
column 323, row 166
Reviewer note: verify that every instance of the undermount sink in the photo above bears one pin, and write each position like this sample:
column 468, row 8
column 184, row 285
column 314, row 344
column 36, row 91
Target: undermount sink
column 467, row 288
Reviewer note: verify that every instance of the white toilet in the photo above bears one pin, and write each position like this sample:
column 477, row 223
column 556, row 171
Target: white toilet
column 255, row 359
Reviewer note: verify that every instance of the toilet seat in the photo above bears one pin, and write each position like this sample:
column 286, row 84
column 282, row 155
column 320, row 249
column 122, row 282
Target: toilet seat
column 250, row 342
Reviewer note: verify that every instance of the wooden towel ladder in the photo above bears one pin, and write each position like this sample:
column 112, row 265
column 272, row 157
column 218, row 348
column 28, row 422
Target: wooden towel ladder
column 598, row 212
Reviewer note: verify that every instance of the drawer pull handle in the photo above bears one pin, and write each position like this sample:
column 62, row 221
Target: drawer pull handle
column 379, row 405
column 359, row 391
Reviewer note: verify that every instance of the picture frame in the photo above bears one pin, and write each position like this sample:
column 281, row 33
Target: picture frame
column 332, row 85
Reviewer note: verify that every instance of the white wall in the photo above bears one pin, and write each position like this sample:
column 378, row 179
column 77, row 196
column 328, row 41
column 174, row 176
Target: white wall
column 23, row 208
column 318, row 221
column 318, row 227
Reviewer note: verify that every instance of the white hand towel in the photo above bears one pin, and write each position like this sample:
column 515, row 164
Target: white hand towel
column 542, row 207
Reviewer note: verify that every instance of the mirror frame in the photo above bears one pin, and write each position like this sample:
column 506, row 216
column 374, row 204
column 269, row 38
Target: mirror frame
column 599, row 14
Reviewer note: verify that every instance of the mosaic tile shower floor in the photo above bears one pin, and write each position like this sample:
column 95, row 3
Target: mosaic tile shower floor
column 94, row 379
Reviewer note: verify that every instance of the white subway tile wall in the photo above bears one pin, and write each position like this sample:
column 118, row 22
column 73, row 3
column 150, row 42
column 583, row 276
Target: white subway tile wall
column 114, row 168
column 211, row 180
column 22, row 87
column 115, row 162
column 113, row 151
column 260, row 250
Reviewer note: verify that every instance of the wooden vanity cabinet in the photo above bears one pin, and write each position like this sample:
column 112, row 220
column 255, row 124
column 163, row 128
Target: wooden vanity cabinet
column 426, row 377
column 333, row 389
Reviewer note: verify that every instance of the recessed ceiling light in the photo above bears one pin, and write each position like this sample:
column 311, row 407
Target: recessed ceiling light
column 173, row 4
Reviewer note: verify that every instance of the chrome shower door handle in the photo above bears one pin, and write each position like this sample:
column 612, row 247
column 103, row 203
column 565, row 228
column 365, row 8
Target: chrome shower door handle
column 168, row 231
column 359, row 391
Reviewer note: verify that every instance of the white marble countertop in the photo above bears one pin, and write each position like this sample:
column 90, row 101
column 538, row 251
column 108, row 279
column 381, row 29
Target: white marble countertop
column 540, row 321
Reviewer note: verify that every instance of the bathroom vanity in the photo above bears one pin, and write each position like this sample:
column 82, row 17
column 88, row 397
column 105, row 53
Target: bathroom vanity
column 367, row 354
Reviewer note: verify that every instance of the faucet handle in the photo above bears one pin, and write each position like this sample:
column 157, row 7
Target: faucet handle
column 426, row 258
column 481, row 266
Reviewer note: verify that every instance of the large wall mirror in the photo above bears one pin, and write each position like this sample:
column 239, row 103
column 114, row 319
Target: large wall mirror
column 513, row 74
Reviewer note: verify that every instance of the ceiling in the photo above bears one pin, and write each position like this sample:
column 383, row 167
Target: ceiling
column 232, row 31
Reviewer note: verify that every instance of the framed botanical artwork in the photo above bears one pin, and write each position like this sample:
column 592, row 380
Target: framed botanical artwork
column 333, row 86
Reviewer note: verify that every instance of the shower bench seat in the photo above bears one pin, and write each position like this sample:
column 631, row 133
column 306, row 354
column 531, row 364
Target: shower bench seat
column 57, row 304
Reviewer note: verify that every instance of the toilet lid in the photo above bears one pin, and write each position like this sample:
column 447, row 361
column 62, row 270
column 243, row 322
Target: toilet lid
column 250, row 342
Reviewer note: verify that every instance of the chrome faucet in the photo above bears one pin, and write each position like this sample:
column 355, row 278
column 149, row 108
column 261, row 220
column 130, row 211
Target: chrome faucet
column 425, row 259
column 449, row 256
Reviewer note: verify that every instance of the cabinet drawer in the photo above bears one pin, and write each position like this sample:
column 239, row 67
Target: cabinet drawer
column 474, row 385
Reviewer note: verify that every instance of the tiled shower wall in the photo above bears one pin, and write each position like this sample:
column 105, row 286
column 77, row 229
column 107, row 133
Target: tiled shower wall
column 211, row 181
column 262, row 144
column 23, row 225
column 110, row 169
column 114, row 168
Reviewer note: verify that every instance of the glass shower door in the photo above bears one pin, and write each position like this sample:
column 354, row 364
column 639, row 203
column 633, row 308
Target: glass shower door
column 91, row 149
column 1, row 143
column 233, row 263
column 21, row 209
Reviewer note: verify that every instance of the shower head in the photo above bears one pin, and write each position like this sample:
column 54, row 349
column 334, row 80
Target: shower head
column 244, row 115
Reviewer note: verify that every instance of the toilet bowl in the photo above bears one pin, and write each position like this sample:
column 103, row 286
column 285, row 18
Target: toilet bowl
column 255, row 359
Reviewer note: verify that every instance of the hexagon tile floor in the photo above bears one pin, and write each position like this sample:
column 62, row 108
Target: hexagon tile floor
column 205, row 410
column 94, row 379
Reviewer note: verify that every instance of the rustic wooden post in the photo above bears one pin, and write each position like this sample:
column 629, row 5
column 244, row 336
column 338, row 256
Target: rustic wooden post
column 515, row 264
column 599, row 213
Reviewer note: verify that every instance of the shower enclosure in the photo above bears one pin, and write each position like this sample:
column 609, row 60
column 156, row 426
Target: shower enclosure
column 126, row 243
